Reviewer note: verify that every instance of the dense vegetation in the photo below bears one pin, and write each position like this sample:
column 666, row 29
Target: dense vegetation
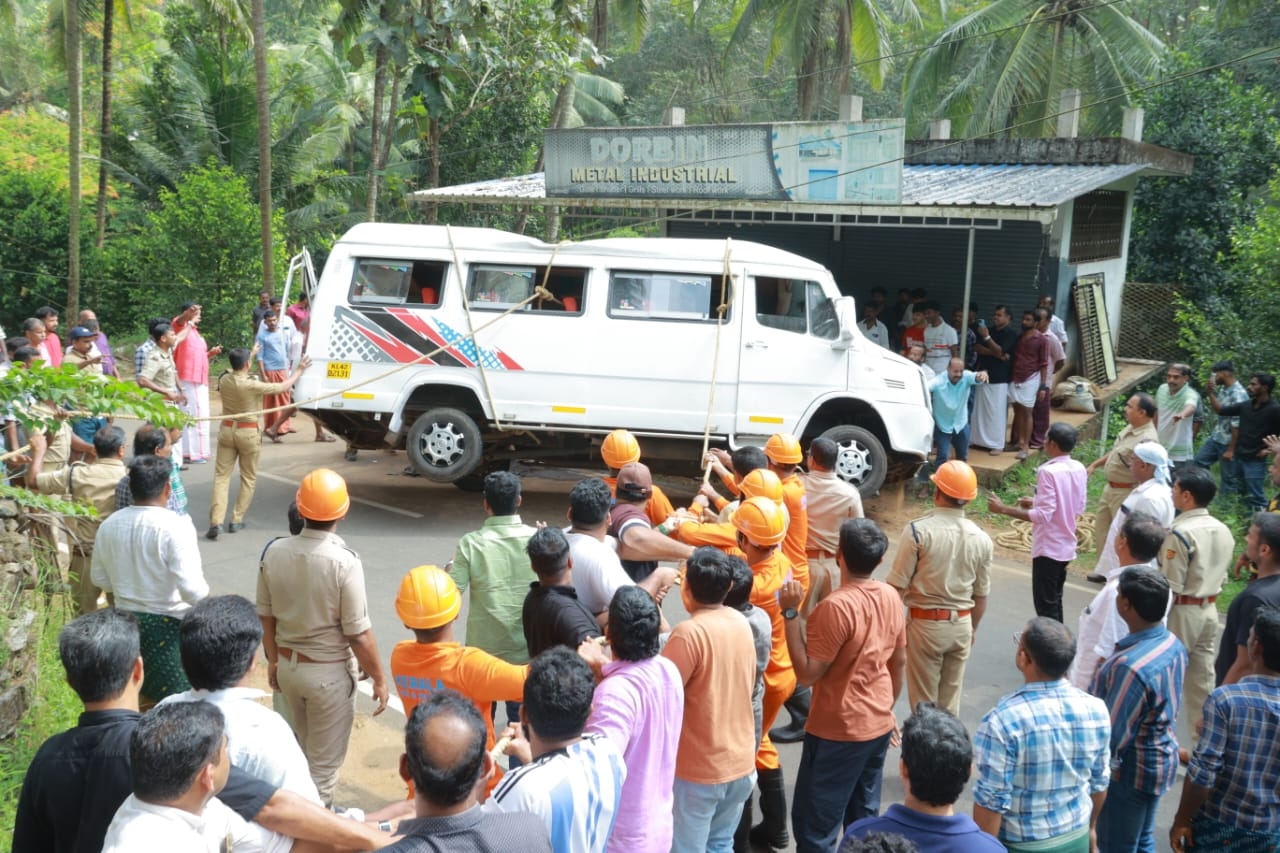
column 180, row 186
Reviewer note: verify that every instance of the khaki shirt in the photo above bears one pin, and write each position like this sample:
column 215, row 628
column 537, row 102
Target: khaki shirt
column 73, row 357
column 160, row 369
column 828, row 501
column 95, row 484
column 1197, row 554
column 1117, row 467
column 943, row 561
column 313, row 585
column 242, row 395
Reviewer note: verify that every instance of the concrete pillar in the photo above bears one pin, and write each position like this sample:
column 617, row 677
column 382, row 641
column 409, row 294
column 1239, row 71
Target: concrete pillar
column 851, row 108
column 940, row 128
column 673, row 116
column 1069, row 114
column 1132, row 125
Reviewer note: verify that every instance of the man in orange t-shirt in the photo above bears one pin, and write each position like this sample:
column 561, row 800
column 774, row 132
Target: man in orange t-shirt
column 855, row 658
column 715, row 654
column 428, row 604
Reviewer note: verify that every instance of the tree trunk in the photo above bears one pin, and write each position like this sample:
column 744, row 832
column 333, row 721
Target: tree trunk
column 75, row 130
column 600, row 25
column 264, row 143
column 375, row 127
column 104, row 128
column 433, row 162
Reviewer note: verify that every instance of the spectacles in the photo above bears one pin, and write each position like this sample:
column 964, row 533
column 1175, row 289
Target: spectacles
column 1017, row 639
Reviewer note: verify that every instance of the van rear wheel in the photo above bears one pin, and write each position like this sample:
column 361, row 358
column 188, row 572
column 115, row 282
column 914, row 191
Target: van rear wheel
column 444, row 445
column 861, row 460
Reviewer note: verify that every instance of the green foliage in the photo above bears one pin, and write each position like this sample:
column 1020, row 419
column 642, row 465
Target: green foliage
column 201, row 244
column 1182, row 227
column 66, row 389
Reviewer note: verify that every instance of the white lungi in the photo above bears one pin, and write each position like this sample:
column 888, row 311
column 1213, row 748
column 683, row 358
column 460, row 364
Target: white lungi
column 990, row 419
column 1024, row 393
column 195, row 438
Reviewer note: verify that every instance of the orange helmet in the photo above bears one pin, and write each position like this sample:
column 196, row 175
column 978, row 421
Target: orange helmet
column 618, row 448
column 956, row 479
column 323, row 496
column 763, row 483
column 761, row 521
column 428, row 598
column 782, row 448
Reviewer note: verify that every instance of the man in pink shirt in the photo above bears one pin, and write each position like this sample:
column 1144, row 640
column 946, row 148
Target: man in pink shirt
column 640, row 707
column 52, row 343
column 1059, row 500
column 191, row 357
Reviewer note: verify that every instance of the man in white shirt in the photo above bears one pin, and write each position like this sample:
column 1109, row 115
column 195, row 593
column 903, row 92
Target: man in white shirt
column 219, row 641
column 1057, row 328
column 179, row 764
column 871, row 327
column 941, row 343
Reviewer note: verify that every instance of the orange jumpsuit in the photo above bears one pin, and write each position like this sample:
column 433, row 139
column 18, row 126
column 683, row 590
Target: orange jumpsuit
column 420, row 668
column 659, row 507
column 797, row 528
column 714, row 533
column 779, row 676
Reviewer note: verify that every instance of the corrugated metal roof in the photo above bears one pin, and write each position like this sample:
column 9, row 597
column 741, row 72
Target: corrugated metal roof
column 988, row 186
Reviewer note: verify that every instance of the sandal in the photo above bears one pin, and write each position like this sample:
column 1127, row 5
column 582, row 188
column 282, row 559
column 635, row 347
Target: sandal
column 325, row 437
column 275, row 439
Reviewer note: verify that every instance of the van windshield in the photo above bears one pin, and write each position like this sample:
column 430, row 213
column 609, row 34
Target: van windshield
column 796, row 306
column 665, row 296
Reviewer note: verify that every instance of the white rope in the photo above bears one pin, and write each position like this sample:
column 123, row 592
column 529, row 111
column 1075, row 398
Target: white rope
column 725, row 277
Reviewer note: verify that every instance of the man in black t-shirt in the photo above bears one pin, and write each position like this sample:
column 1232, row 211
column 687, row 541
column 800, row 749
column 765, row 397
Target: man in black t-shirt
column 1262, row 546
column 1259, row 418
column 552, row 614
column 991, row 399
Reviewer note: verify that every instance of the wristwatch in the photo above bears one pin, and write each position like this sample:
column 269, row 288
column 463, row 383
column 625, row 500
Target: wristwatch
column 790, row 613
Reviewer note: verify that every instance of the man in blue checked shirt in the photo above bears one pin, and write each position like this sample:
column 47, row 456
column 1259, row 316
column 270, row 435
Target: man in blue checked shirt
column 1231, row 796
column 950, row 393
column 1142, row 685
column 1043, row 752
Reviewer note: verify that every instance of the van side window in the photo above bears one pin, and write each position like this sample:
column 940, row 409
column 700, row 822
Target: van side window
column 427, row 283
column 381, row 282
column 795, row 306
column 665, row 296
column 499, row 288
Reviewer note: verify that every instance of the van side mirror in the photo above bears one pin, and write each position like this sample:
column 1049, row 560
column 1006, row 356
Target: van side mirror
column 846, row 316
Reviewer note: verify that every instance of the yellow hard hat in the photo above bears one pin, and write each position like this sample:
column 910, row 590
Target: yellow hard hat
column 761, row 521
column 761, row 483
column 956, row 479
column 618, row 448
column 784, row 449
column 322, row 496
column 428, row 598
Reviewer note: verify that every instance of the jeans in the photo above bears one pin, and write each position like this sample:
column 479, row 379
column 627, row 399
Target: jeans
column 838, row 783
column 948, row 441
column 1229, row 469
column 1047, row 579
column 705, row 816
column 1254, row 473
column 1127, row 821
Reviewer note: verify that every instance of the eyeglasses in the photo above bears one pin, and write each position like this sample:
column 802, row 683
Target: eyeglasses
column 1017, row 640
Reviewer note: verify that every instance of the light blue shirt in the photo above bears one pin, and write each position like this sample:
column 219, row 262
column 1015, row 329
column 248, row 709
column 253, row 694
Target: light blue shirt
column 951, row 401
column 273, row 348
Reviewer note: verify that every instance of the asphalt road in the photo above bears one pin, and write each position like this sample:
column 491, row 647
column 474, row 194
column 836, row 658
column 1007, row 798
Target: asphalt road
column 398, row 522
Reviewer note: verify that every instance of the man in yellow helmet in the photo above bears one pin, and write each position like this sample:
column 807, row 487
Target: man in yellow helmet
column 620, row 448
column 316, row 627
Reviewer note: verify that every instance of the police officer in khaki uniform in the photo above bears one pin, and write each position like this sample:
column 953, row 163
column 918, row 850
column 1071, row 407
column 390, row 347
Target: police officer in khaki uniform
column 1196, row 557
column 93, row 483
column 316, row 628
column 943, row 572
column 1139, row 411
column 239, row 438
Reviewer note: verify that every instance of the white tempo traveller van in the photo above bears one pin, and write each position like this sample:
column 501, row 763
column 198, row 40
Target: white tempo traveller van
column 412, row 349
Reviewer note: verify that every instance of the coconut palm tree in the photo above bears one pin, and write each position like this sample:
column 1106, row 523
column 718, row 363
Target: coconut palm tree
column 999, row 70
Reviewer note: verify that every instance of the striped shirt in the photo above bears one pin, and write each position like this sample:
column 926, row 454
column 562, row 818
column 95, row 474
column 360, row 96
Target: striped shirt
column 1041, row 752
column 1237, row 759
column 575, row 790
column 1142, row 685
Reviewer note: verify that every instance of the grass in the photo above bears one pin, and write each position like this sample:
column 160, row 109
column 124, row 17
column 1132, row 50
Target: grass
column 52, row 707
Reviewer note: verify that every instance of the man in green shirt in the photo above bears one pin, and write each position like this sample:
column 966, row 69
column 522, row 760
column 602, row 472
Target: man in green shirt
column 493, row 563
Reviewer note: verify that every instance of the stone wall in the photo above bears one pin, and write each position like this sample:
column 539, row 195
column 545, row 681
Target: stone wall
column 17, row 618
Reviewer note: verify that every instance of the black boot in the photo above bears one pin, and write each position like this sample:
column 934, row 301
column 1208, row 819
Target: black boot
column 772, row 830
column 798, row 707
column 741, row 844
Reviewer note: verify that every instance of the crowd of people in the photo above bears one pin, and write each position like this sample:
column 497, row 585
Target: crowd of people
column 626, row 733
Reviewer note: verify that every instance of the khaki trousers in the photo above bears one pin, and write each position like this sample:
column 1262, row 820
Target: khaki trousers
column 936, row 656
column 243, row 444
column 1196, row 625
column 824, row 577
column 82, row 588
column 1108, row 506
column 322, row 702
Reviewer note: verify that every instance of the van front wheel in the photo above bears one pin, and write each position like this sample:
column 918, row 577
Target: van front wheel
column 444, row 445
column 861, row 460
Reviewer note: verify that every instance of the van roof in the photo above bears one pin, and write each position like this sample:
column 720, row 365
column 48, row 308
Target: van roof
column 489, row 239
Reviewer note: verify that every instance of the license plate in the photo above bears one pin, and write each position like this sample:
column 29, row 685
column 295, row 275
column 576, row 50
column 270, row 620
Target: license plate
column 339, row 370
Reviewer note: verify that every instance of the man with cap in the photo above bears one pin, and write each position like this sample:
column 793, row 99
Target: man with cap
column 1139, row 412
column 428, row 604
column 943, row 573
column 88, row 361
column 620, row 448
column 317, row 635
column 640, row 547
column 1061, row 485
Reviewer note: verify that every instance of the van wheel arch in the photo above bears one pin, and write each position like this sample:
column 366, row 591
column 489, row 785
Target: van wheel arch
column 444, row 444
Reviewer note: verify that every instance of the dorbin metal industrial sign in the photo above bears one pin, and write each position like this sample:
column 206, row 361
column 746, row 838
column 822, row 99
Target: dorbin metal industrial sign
column 818, row 162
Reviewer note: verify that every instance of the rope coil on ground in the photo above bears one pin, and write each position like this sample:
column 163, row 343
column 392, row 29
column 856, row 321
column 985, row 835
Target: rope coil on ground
column 1019, row 538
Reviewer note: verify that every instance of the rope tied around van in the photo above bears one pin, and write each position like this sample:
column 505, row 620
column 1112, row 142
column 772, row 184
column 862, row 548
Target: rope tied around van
column 722, row 309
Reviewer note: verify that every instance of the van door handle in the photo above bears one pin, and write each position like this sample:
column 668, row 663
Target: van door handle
column 756, row 345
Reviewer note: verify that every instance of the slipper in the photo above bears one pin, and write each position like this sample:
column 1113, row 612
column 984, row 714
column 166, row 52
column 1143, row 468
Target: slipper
column 1022, row 454
column 325, row 438
column 275, row 439
column 995, row 452
column 288, row 432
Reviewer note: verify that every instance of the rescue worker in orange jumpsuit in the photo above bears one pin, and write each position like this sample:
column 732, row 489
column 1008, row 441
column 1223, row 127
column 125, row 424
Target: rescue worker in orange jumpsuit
column 723, row 535
column 761, row 528
column 428, row 603
column 621, row 448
